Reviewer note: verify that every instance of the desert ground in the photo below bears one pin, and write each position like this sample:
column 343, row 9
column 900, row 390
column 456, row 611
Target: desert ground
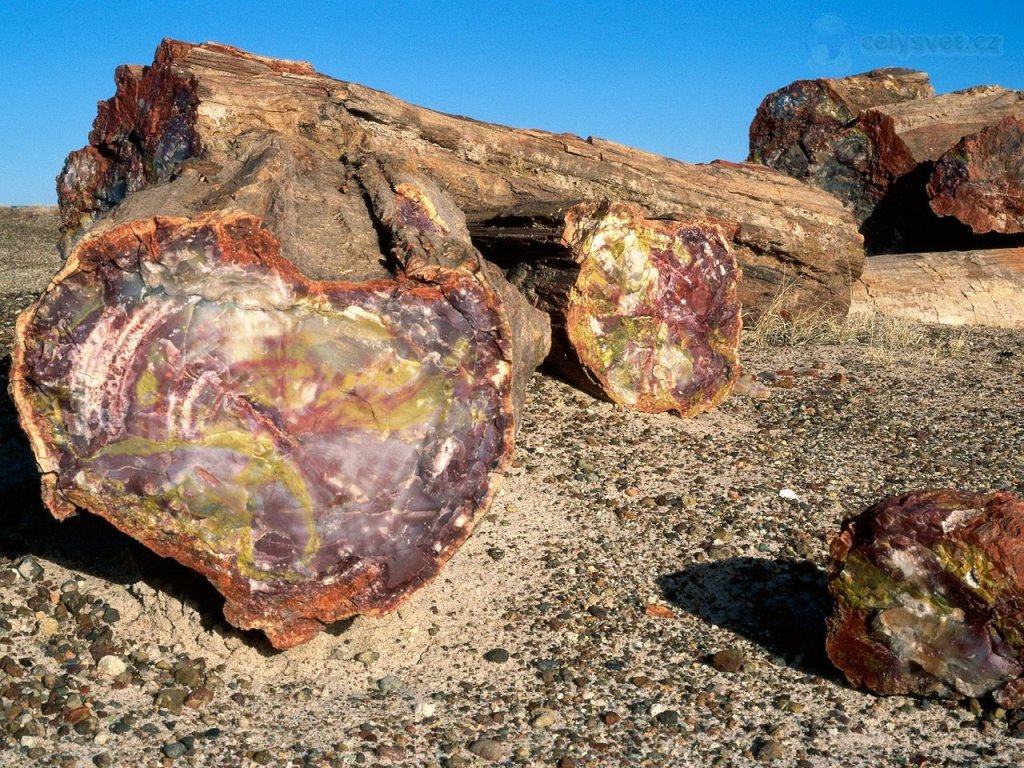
column 579, row 625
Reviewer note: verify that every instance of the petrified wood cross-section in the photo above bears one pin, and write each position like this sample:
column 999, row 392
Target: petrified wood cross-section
column 315, row 448
column 644, row 312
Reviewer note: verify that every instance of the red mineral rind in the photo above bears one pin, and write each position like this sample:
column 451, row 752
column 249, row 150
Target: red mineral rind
column 315, row 449
column 980, row 181
column 928, row 593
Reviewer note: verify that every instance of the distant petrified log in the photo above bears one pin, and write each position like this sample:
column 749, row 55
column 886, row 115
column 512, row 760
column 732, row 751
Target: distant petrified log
column 312, row 430
column 955, row 287
column 805, row 130
column 787, row 236
column 880, row 159
column 980, row 181
column 929, row 596
column 643, row 311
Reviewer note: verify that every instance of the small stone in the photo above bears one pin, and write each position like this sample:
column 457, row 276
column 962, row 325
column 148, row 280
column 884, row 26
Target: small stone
column 174, row 750
column 668, row 717
column 390, row 684
column 199, row 698
column 102, row 760
column 172, row 699
column 488, row 749
column 111, row 615
column 424, row 709
column 497, row 655
column 728, row 660
column 46, row 627
column 496, row 553
column 262, row 757
column 544, row 718
column 770, row 750
column 29, row 569
column 111, row 666
column 366, row 658
column 611, row 718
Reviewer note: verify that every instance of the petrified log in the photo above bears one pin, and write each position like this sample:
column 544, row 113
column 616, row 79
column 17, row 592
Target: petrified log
column 787, row 236
column 880, row 161
column 928, row 593
column 956, row 287
column 980, row 181
column 802, row 130
column 644, row 312
column 317, row 434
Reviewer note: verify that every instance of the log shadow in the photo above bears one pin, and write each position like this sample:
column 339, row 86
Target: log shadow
column 90, row 545
column 779, row 604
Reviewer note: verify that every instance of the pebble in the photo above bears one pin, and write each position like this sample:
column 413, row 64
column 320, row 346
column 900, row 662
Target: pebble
column 366, row 658
column 29, row 569
column 111, row 666
column 497, row 655
column 47, row 627
column 172, row 699
column 728, row 660
column 390, row 684
column 770, row 750
column 489, row 749
column 174, row 750
column 544, row 718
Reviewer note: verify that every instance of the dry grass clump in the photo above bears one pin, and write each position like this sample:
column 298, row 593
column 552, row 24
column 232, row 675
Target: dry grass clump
column 890, row 340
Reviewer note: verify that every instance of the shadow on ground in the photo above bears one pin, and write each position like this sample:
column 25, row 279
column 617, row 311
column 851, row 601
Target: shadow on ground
column 779, row 604
column 90, row 545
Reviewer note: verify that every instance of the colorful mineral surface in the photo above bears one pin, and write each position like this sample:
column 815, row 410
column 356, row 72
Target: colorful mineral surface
column 315, row 449
column 980, row 181
column 928, row 593
column 654, row 314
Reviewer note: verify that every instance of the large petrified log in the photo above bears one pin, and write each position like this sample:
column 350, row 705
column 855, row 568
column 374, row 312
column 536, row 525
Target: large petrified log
column 314, row 431
column 980, row 181
column 644, row 312
column 880, row 161
column 929, row 596
column 954, row 287
column 803, row 130
column 787, row 236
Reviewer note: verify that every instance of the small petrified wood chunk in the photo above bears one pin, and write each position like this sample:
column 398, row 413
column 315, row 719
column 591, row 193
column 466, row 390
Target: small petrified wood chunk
column 980, row 181
column 929, row 596
column 316, row 448
column 644, row 312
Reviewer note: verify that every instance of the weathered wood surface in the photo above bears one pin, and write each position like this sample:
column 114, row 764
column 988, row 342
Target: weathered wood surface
column 786, row 235
column 644, row 312
column 290, row 372
column 957, row 288
column 980, row 181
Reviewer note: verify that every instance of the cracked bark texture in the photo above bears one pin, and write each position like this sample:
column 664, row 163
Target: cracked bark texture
column 788, row 237
column 982, row 287
column 928, row 593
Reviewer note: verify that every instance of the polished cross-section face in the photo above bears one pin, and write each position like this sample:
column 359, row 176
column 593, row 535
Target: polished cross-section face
column 654, row 314
column 277, row 431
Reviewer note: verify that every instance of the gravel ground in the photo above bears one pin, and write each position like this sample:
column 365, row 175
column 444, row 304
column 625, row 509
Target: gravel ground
column 640, row 594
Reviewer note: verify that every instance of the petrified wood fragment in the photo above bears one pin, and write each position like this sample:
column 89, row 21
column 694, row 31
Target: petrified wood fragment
column 929, row 596
column 984, row 287
column 803, row 129
column 316, row 447
column 879, row 159
column 212, row 99
column 644, row 312
column 980, row 181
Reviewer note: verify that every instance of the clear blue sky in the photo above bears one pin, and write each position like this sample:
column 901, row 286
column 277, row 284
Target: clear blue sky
column 679, row 78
